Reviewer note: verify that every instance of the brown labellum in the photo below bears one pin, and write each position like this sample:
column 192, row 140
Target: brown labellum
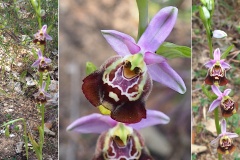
column 119, row 89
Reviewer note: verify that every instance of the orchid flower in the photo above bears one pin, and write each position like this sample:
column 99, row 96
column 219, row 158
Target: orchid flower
column 157, row 31
column 42, row 96
column 41, row 36
column 42, row 62
column 118, row 140
column 227, row 105
column 122, row 84
column 224, row 140
column 217, row 70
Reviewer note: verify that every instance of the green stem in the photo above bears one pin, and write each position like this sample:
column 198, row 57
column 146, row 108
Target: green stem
column 25, row 137
column 143, row 16
column 217, row 127
column 39, row 14
column 219, row 156
column 210, row 46
column 217, row 121
column 40, row 79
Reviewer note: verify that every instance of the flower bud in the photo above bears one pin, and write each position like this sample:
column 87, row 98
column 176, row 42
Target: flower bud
column 219, row 34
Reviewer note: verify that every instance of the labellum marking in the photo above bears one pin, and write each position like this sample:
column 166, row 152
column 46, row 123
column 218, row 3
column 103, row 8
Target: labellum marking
column 114, row 96
column 123, row 93
column 119, row 75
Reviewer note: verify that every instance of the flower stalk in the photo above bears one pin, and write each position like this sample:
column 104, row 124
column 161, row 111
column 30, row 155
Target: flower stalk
column 143, row 16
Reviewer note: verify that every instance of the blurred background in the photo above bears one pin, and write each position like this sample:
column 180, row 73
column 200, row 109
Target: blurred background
column 226, row 18
column 80, row 40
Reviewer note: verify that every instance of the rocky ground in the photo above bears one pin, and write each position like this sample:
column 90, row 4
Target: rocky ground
column 18, row 80
column 225, row 18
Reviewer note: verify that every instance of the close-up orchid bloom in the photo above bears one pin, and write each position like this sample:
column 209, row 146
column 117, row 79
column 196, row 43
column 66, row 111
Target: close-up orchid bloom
column 224, row 140
column 41, row 36
column 42, row 63
column 122, row 84
column 42, row 96
column 217, row 70
column 156, row 32
column 118, row 140
column 227, row 105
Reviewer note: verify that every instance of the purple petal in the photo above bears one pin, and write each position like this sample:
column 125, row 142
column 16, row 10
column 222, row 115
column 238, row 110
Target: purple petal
column 43, row 86
column 225, row 65
column 152, row 58
column 158, row 29
column 153, row 118
column 47, row 95
column 217, row 54
column 226, row 92
column 216, row 90
column 215, row 141
column 48, row 37
column 223, row 126
column 93, row 123
column 36, row 63
column 47, row 60
column 231, row 135
column 210, row 63
column 44, row 28
column 39, row 54
column 214, row 104
column 122, row 43
column 164, row 74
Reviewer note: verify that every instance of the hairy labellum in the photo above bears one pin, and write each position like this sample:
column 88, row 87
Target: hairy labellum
column 225, row 145
column 44, row 66
column 121, row 86
column 216, row 75
column 41, row 98
column 121, row 143
column 228, row 107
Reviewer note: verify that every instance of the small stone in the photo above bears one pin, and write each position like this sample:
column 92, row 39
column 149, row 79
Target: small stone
column 8, row 68
column 30, row 81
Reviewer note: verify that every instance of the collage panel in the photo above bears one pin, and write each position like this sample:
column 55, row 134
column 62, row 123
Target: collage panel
column 28, row 80
column 215, row 79
column 99, row 39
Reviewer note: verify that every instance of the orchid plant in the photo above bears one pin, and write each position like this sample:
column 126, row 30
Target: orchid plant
column 216, row 77
column 43, row 65
column 122, row 84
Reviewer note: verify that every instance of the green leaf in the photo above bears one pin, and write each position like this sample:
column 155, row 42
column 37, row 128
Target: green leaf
column 23, row 75
column 34, row 144
column 41, row 136
column 170, row 50
column 227, row 51
column 7, row 133
column 90, row 68
column 48, row 82
column 237, row 131
column 13, row 121
column 2, row 91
